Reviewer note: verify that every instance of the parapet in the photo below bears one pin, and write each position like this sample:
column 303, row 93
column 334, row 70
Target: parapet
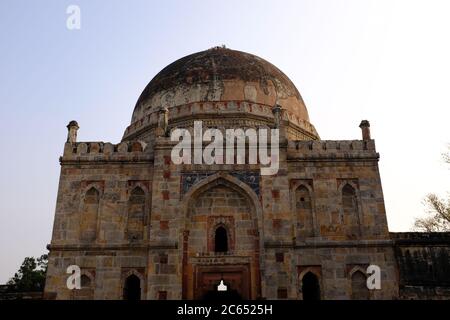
column 421, row 238
column 332, row 149
column 105, row 151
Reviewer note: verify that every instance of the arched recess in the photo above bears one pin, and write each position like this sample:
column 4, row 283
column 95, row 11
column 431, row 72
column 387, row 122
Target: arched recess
column 136, row 209
column 310, row 286
column 224, row 180
column 221, row 239
column 225, row 222
column 231, row 182
column 90, row 207
column 304, row 212
column 130, row 280
column 351, row 209
column 310, row 283
column 358, row 284
column 87, row 287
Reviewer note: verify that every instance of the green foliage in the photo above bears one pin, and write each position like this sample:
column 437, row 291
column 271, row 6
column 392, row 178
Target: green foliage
column 31, row 275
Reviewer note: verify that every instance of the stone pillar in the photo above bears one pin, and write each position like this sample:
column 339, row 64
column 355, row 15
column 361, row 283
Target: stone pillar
column 276, row 110
column 163, row 122
column 72, row 128
column 279, row 124
column 365, row 129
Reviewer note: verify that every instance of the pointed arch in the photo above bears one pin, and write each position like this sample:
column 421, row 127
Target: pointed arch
column 315, row 286
column 136, row 209
column 350, row 209
column 349, row 199
column 254, row 214
column 85, row 281
column 221, row 235
column 89, row 214
column 87, row 287
column 310, row 286
column 96, row 185
column 92, row 195
column 137, row 191
column 304, row 212
column 227, row 222
column 133, row 285
column 132, row 288
column 224, row 179
column 358, row 280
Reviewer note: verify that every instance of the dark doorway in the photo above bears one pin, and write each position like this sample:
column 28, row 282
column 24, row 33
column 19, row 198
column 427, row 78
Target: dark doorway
column 132, row 288
column 221, row 240
column 359, row 286
column 221, row 296
column 210, row 281
column 310, row 287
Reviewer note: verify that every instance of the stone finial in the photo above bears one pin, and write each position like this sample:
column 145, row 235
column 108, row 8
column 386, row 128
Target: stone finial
column 276, row 110
column 72, row 128
column 365, row 129
column 163, row 122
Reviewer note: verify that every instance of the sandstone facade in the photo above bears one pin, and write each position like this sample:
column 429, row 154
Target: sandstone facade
column 140, row 226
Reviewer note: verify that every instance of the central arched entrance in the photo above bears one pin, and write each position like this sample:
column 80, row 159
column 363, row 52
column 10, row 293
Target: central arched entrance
column 221, row 241
column 210, row 282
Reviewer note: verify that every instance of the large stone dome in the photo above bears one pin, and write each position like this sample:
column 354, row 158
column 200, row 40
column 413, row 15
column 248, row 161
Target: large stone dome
column 224, row 76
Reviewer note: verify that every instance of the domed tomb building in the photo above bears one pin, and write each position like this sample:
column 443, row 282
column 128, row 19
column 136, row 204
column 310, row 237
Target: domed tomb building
column 140, row 226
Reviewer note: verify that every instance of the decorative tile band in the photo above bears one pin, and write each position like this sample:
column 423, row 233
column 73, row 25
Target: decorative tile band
column 249, row 178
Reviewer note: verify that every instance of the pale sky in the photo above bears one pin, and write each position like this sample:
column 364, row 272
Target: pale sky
column 385, row 61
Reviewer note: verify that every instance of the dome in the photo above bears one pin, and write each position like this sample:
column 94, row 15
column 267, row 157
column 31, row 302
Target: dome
column 222, row 75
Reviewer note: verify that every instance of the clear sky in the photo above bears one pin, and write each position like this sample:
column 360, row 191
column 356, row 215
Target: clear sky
column 385, row 61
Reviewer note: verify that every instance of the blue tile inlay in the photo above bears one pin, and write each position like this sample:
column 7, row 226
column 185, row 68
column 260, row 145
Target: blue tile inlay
column 248, row 177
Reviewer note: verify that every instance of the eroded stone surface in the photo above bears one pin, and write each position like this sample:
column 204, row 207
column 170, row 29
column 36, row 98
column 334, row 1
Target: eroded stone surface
column 126, row 211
